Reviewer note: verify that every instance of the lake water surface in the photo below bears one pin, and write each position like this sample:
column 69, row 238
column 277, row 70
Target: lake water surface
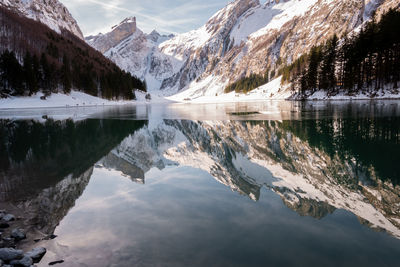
column 246, row 184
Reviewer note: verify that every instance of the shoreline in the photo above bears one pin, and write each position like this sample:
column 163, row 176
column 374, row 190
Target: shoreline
column 22, row 244
column 189, row 102
column 230, row 101
column 78, row 100
column 75, row 99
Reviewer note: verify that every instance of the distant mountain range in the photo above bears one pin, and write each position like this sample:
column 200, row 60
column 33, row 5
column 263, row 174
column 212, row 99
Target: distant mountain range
column 244, row 38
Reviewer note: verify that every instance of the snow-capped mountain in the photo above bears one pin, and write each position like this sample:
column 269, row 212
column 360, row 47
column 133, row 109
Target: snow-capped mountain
column 103, row 42
column 136, row 52
column 50, row 12
column 249, row 156
column 246, row 37
column 263, row 36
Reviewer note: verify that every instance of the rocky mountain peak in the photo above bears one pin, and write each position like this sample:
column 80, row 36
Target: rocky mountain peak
column 49, row 12
column 119, row 32
column 226, row 18
column 154, row 35
column 243, row 38
column 154, row 32
column 128, row 24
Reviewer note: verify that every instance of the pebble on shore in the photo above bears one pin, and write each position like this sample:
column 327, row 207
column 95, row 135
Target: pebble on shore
column 8, row 218
column 9, row 255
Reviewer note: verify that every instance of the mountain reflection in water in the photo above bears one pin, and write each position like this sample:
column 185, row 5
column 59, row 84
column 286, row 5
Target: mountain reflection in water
column 316, row 166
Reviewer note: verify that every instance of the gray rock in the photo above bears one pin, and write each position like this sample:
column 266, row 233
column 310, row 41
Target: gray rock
column 7, row 242
column 36, row 254
column 9, row 254
column 8, row 218
column 18, row 234
column 25, row 261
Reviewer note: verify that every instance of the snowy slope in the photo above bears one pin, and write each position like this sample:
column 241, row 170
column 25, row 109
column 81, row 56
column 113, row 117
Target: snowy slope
column 245, row 37
column 50, row 12
column 137, row 52
column 217, row 27
column 262, row 36
column 209, row 73
column 264, row 18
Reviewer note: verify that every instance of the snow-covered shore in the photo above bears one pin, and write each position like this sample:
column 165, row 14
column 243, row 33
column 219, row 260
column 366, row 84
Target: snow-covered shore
column 74, row 99
column 270, row 91
column 274, row 91
column 321, row 95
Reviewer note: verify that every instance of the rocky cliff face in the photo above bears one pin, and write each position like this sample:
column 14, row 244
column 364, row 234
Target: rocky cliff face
column 243, row 38
column 200, row 50
column 248, row 156
column 49, row 12
column 136, row 52
column 266, row 35
column 103, row 42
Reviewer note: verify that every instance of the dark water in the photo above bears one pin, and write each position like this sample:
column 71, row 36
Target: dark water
column 250, row 184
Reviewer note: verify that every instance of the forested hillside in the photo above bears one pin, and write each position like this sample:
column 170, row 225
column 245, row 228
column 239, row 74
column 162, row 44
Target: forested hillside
column 35, row 58
column 366, row 62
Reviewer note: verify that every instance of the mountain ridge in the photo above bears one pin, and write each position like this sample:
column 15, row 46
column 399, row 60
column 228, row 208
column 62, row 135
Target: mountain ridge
column 51, row 13
column 136, row 51
column 247, row 37
column 36, row 58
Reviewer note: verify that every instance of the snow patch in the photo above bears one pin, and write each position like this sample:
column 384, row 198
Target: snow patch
column 211, row 90
column 281, row 13
column 74, row 99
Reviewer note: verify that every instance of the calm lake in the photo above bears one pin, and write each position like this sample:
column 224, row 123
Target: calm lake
column 246, row 184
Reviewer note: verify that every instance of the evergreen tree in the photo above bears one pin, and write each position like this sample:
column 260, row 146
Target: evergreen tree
column 29, row 74
column 66, row 75
column 36, row 72
column 327, row 79
column 45, row 75
column 313, row 67
column 11, row 74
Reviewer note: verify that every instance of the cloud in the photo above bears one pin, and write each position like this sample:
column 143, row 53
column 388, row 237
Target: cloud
column 174, row 16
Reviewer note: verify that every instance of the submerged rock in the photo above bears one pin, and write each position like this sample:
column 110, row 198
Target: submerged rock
column 9, row 254
column 49, row 237
column 36, row 254
column 56, row 262
column 25, row 261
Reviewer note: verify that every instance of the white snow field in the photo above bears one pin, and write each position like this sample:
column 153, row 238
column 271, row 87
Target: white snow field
column 75, row 99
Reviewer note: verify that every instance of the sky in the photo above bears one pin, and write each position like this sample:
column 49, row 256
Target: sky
column 166, row 16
